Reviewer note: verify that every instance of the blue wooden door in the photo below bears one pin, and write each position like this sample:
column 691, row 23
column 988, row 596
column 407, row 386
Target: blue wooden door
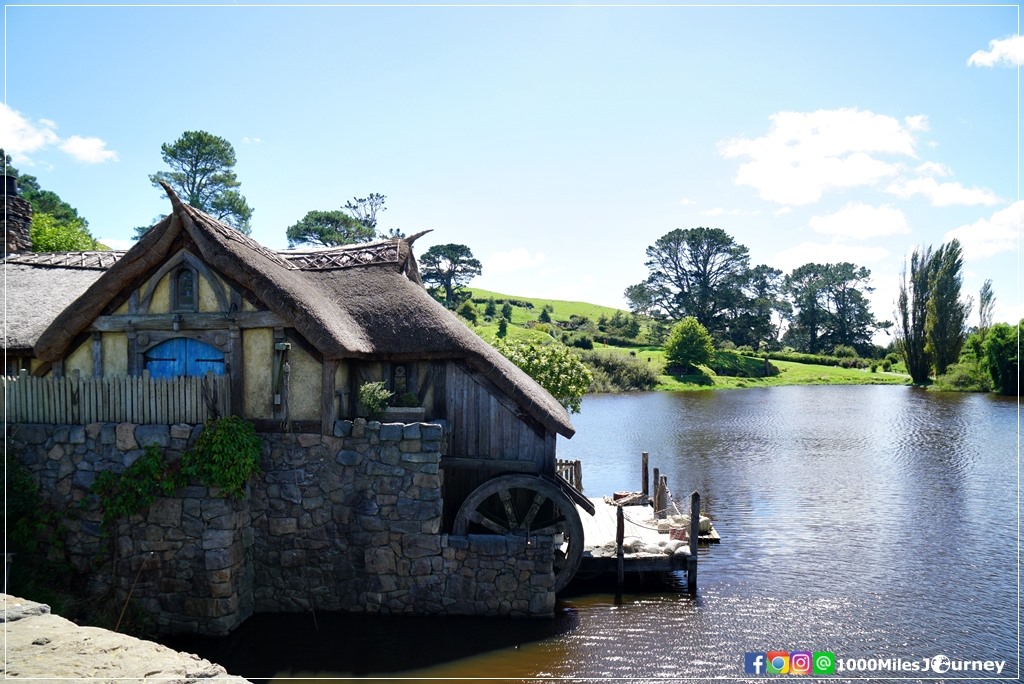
column 183, row 356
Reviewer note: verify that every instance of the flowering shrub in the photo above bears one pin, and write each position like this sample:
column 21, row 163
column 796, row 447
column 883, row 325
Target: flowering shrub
column 554, row 366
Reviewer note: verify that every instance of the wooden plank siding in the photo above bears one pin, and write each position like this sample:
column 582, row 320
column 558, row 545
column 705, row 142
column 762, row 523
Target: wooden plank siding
column 486, row 425
column 80, row 400
column 488, row 435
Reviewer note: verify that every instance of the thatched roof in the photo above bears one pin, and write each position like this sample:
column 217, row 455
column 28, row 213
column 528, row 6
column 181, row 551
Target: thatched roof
column 360, row 301
column 37, row 287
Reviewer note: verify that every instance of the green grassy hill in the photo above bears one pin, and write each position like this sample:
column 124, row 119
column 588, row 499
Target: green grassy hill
column 560, row 310
column 728, row 370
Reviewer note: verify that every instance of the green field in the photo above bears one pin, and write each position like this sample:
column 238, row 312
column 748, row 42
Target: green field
column 563, row 310
column 790, row 373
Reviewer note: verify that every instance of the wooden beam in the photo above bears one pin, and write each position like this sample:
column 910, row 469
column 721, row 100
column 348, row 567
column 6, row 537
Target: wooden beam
column 97, row 355
column 481, row 463
column 190, row 321
column 327, row 412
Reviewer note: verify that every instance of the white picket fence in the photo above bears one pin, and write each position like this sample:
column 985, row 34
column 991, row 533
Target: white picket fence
column 75, row 400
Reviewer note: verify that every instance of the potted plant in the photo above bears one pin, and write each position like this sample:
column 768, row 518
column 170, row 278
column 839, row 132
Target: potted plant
column 373, row 399
column 405, row 408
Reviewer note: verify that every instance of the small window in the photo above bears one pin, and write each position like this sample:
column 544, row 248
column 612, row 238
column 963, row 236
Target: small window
column 185, row 290
column 401, row 381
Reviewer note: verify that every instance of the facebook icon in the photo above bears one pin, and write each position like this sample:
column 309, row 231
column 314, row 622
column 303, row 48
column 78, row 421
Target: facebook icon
column 753, row 663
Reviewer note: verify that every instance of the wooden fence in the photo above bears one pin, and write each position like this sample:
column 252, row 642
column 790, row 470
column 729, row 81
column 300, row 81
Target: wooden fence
column 571, row 472
column 76, row 400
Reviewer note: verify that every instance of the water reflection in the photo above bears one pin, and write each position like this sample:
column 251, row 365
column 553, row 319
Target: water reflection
column 869, row 521
column 345, row 645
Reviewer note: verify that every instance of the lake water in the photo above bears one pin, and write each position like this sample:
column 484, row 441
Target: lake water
column 872, row 522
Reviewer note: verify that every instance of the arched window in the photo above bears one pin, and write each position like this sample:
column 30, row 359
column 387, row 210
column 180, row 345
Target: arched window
column 184, row 290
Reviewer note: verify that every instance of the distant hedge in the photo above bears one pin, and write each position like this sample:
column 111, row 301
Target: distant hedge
column 816, row 359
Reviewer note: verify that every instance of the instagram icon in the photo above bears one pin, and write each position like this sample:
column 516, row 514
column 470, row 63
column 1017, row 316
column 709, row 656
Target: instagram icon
column 800, row 663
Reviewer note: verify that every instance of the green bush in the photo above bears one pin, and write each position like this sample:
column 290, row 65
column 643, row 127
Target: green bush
column 688, row 345
column 964, row 377
column 843, row 351
column 614, row 372
column 22, row 519
column 578, row 340
column 406, row 400
column 886, row 364
column 555, row 367
column 1001, row 356
column 374, row 397
column 735, row 365
column 468, row 311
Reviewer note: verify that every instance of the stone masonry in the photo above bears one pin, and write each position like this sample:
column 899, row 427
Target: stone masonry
column 342, row 522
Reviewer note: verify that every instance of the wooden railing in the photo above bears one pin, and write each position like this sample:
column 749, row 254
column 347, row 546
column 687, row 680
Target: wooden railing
column 76, row 400
column 571, row 472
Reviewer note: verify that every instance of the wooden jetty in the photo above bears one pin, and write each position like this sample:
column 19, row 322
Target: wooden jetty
column 622, row 536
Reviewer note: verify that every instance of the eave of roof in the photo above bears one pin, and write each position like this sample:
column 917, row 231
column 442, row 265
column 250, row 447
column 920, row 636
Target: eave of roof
column 362, row 301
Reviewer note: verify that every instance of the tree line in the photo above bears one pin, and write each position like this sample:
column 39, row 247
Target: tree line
column 703, row 277
column 705, row 274
column 56, row 225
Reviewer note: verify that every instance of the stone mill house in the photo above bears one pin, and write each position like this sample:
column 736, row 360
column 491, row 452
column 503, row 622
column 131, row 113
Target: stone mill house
column 454, row 508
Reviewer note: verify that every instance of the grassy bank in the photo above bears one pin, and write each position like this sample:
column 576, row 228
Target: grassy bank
column 788, row 373
column 729, row 370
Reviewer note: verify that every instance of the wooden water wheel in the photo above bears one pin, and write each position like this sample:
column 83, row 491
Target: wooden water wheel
column 526, row 504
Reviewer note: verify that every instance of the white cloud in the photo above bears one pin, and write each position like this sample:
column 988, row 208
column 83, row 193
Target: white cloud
column 1005, row 51
column 252, row 141
column 916, row 123
column 21, row 138
column 88, row 150
column 991, row 236
column 719, row 211
column 805, row 154
column 686, row 202
column 860, row 221
column 816, row 252
column 518, row 259
column 942, row 194
column 933, row 169
column 782, row 211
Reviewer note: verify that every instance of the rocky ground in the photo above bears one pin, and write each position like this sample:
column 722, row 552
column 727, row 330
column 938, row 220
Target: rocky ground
column 39, row 645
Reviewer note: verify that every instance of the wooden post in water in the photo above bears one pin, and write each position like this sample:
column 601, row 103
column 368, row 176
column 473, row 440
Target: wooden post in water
column 691, row 562
column 644, row 485
column 654, row 492
column 620, row 562
column 662, row 498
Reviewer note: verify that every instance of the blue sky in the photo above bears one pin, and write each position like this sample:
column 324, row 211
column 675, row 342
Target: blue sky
column 557, row 142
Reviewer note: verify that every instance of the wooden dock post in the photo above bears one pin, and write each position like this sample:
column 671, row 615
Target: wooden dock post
column 654, row 491
column 620, row 563
column 662, row 511
column 644, row 484
column 691, row 562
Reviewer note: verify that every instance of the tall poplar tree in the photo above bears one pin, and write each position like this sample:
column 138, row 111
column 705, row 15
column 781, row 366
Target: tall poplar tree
column 911, row 316
column 986, row 303
column 947, row 312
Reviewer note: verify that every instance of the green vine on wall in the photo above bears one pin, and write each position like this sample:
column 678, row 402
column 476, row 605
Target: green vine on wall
column 132, row 491
column 226, row 455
